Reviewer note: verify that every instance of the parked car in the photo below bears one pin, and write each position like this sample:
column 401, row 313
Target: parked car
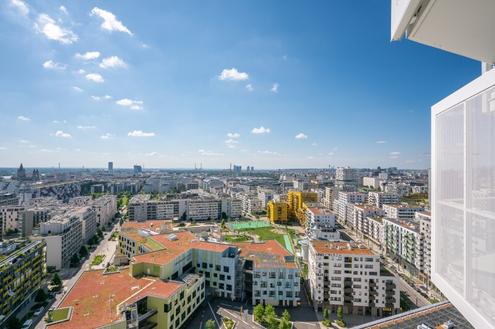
column 27, row 324
column 38, row 311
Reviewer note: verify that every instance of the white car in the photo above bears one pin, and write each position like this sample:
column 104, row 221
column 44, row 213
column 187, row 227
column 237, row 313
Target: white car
column 38, row 311
column 27, row 324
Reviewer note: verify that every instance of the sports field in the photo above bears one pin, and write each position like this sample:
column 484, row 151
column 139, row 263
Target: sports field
column 248, row 225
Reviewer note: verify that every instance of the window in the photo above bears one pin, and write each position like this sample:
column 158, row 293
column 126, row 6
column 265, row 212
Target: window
column 226, row 269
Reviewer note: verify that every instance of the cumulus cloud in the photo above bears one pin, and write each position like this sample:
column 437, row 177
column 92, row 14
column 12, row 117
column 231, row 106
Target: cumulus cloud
column 381, row 142
column 63, row 9
column 233, row 75
column 52, row 31
column 113, row 62
column 77, row 89
column 85, row 127
column 209, row 153
column 23, row 118
column 87, row 56
column 20, row 6
column 140, row 133
column 260, row 130
column 249, row 87
column 110, row 21
column 301, row 136
column 106, row 136
column 233, row 135
column 130, row 103
column 51, row 65
column 100, row 98
column 61, row 134
column 95, row 77
column 274, row 88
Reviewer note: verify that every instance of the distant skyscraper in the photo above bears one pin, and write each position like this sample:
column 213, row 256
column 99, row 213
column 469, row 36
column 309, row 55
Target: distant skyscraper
column 237, row 169
column 138, row 169
column 110, row 166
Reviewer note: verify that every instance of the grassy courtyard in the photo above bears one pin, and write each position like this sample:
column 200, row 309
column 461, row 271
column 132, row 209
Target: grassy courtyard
column 266, row 233
column 59, row 314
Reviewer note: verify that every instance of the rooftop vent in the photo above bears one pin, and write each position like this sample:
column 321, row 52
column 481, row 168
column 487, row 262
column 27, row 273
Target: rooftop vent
column 172, row 237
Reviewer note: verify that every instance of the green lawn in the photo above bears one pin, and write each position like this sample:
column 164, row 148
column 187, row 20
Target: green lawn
column 59, row 314
column 266, row 233
column 238, row 238
column 153, row 244
column 98, row 260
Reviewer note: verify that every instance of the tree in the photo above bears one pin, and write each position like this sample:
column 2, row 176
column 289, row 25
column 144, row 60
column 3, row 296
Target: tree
column 326, row 317
column 184, row 216
column 269, row 311
column 13, row 323
column 210, row 324
column 340, row 313
column 222, row 224
column 286, row 315
column 83, row 252
column 74, row 261
column 224, row 215
column 40, row 296
column 284, row 324
column 258, row 313
column 272, row 321
column 56, row 281
column 99, row 233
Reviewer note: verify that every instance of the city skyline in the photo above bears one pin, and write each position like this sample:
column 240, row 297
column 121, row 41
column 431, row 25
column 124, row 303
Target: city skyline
column 169, row 85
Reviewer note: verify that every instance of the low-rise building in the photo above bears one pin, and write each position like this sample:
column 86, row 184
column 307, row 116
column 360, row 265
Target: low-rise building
column 349, row 275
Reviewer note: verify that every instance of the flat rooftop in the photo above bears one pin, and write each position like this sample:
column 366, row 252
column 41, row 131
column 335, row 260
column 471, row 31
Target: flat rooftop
column 340, row 247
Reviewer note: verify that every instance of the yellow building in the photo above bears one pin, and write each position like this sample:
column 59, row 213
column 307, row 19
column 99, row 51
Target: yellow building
column 278, row 211
column 297, row 207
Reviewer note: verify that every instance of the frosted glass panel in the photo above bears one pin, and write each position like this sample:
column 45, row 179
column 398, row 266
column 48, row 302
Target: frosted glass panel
column 449, row 190
column 480, row 202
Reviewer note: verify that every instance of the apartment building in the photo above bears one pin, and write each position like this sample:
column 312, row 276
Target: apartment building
column 87, row 216
column 22, row 270
column 376, row 230
column 373, row 182
column 105, row 208
column 297, row 203
column 348, row 274
column 345, row 202
column 270, row 274
column 378, row 199
column 265, row 196
column 401, row 211
column 10, row 219
column 116, row 299
column 8, row 199
column 64, row 237
column 278, row 211
column 320, row 217
column 329, row 196
column 423, row 262
column 402, row 242
column 357, row 216
column 251, row 204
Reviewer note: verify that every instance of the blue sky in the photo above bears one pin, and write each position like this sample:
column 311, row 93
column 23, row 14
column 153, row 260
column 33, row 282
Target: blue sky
column 171, row 83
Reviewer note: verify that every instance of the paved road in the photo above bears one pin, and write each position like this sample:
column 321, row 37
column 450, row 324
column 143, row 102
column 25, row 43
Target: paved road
column 70, row 276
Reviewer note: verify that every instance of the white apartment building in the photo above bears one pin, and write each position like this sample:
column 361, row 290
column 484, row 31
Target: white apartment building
column 358, row 216
column 423, row 262
column 402, row 241
column 376, row 230
column 329, row 197
column 378, row 199
column 401, row 211
column 10, row 218
column 202, row 209
column 348, row 274
column 105, row 208
column 341, row 205
column 87, row 216
column 320, row 217
column 463, row 148
column 251, row 204
column 64, row 237
column 373, row 182
column 265, row 196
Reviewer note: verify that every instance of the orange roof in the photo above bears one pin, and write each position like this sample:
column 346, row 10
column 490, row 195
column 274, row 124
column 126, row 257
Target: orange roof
column 159, row 288
column 95, row 297
column 343, row 248
column 268, row 254
column 159, row 257
column 210, row 246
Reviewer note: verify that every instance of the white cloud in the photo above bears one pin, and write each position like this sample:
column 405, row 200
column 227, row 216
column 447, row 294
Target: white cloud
column 63, row 9
column 381, row 142
column 24, row 141
column 51, row 65
column 106, row 136
column 58, row 121
column 231, row 143
column 23, row 118
column 85, row 127
column 209, row 153
column 100, row 98
column 140, row 133
column 394, row 155
column 274, row 88
column 260, row 130
column 266, row 152
column 130, row 103
column 301, row 136
column 144, row 45
column 151, row 154
column 110, row 22
column 80, row 71
column 249, row 87
column 61, row 134
column 87, row 56
column 77, row 89
column 95, row 77
column 52, row 31
column 113, row 62
column 233, row 135
column 233, row 75
column 20, row 6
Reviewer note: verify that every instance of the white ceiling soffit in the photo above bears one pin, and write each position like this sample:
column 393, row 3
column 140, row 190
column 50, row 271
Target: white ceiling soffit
column 463, row 27
column 402, row 13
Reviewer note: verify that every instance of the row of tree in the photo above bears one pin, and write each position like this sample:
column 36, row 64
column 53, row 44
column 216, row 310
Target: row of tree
column 267, row 317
